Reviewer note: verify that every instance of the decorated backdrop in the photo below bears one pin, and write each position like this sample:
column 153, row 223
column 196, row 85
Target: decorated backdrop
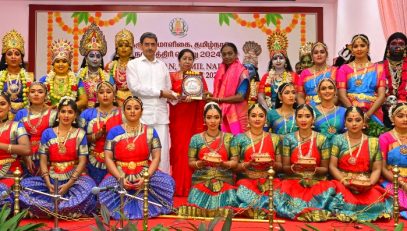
column 203, row 30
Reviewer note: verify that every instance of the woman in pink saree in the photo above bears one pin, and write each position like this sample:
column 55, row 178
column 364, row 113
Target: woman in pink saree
column 230, row 88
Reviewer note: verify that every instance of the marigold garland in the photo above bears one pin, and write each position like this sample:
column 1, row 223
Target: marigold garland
column 71, row 91
column 303, row 30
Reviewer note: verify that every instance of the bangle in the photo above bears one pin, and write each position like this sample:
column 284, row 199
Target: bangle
column 44, row 174
column 93, row 137
column 9, row 148
column 196, row 165
column 75, row 178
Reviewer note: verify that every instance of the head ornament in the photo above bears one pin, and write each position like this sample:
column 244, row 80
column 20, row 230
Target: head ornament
column 277, row 42
column 251, row 51
column 124, row 35
column 11, row 40
column 61, row 49
column 306, row 49
column 209, row 104
column 93, row 40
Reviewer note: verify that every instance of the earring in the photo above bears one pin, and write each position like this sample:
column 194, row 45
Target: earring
column 57, row 119
column 388, row 53
column 116, row 56
column 364, row 127
column 285, row 65
column 74, row 122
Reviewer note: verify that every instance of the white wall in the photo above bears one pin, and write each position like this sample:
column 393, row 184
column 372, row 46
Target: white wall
column 360, row 16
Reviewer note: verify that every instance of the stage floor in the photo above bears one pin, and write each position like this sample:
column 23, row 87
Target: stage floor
column 86, row 224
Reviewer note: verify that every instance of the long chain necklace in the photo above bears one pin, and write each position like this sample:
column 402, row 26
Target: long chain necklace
column 103, row 119
column 62, row 141
column 4, row 127
column 403, row 147
column 359, row 81
column 252, row 143
column 131, row 146
column 331, row 128
column 352, row 159
column 34, row 128
column 308, row 155
column 286, row 117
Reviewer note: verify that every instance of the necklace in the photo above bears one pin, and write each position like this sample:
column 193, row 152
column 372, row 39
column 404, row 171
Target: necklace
column 308, row 155
column 13, row 85
column 352, row 159
column 359, row 81
column 315, row 74
column 62, row 141
column 132, row 146
column 331, row 128
column 286, row 117
column 403, row 147
column 34, row 128
column 208, row 145
column 395, row 69
column 103, row 119
column 261, row 144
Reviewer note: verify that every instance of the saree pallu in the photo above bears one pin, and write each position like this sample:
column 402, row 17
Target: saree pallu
column 305, row 199
column 212, row 187
column 308, row 83
column 226, row 83
column 186, row 119
column 366, row 206
column 279, row 125
column 331, row 123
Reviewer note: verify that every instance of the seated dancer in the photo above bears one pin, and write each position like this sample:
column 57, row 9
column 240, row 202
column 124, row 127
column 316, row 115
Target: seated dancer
column 128, row 150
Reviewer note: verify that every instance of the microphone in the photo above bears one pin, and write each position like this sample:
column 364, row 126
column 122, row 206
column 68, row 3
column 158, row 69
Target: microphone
column 97, row 190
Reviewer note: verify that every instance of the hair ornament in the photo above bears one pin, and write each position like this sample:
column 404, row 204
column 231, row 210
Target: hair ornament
column 395, row 109
column 124, row 35
column 61, row 49
column 319, row 44
column 211, row 103
column 360, row 36
column 106, row 83
column 133, row 97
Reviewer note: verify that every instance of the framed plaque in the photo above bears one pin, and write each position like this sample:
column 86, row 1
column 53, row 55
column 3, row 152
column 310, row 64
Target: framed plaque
column 192, row 85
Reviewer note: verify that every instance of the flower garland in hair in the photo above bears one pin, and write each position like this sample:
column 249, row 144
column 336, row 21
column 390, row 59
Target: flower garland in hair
column 23, row 78
column 72, row 86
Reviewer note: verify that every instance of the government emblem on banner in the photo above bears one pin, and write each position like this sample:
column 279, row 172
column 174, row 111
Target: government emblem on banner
column 178, row 27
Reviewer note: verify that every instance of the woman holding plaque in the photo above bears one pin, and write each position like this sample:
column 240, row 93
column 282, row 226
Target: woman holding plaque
column 209, row 156
column 97, row 123
column 355, row 165
column 36, row 118
column 305, row 193
column 191, row 122
column 230, row 88
column 281, row 119
column 14, row 142
column 328, row 117
column 362, row 84
column 394, row 149
column 63, row 154
column 258, row 151
column 128, row 150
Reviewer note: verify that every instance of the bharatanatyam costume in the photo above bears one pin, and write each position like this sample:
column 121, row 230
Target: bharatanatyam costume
column 15, row 84
column 63, row 155
column 10, row 132
column 93, row 40
column 304, row 196
column 131, row 152
column 280, row 124
column 253, row 183
column 93, row 122
column 35, row 125
column 212, row 187
column 331, row 123
column 350, row 205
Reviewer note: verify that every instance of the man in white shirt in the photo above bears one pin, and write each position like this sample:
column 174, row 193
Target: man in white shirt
column 149, row 79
